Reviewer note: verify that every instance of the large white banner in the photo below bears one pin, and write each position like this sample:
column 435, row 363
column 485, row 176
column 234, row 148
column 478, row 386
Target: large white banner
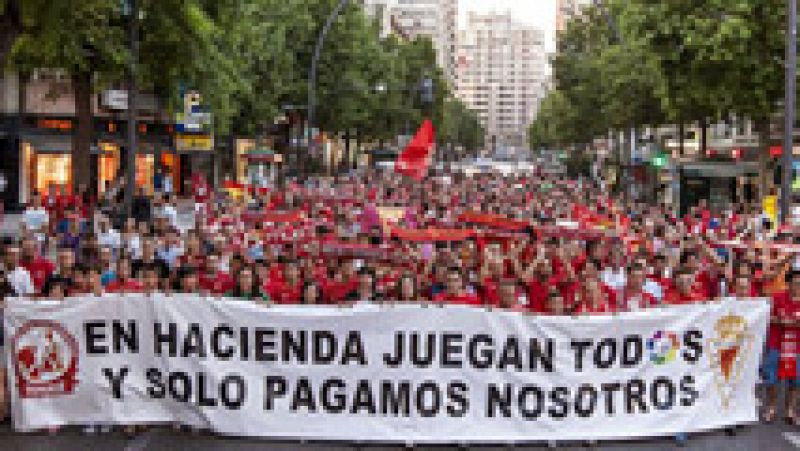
column 378, row 373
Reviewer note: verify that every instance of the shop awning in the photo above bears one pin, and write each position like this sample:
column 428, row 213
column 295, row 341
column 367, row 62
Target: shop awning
column 49, row 143
column 718, row 169
column 263, row 155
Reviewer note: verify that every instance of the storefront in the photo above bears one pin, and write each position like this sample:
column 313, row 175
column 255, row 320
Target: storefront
column 256, row 165
column 46, row 155
column 719, row 182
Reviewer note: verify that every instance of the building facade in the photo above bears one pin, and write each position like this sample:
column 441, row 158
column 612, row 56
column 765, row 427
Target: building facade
column 501, row 75
column 568, row 9
column 381, row 11
column 38, row 126
column 437, row 19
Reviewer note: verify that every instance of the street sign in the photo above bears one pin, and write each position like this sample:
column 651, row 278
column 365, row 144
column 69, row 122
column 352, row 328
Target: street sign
column 184, row 142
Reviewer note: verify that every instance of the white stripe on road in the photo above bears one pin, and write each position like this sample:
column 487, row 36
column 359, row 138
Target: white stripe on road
column 794, row 439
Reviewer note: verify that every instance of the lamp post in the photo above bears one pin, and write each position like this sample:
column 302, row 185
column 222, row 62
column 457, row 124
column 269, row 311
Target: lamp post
column 312, row 73
column 787, row 158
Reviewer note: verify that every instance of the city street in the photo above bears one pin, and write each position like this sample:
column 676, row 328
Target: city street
column 399, row 225
column 776, row 437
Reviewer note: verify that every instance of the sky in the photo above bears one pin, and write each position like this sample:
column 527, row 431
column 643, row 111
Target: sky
column 539, row 13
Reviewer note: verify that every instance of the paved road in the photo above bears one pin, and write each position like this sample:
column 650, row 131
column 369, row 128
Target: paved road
column 775, row 437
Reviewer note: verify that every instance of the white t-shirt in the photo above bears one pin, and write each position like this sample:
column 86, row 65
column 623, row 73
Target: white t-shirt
column 110, row 238
column 35, row 219
column 20, row 281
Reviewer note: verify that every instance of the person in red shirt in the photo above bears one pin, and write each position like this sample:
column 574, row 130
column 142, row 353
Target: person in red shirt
column 454, row 292
column 406, row 289
column 555, row 305
column 366, row 290
column 187, row 280
column 634, row 297
column 288, row 288
column 593, row 300
column 123, row 282
column 38, row 267
column 659, row 272
column 150, row 277
column 193, row 256
column 213, row 280
column 683, row 291
column 783, row 347
column 508, row 296
column 702, row 282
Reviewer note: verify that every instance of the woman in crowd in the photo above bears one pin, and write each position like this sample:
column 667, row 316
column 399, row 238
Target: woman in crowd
column 312, row 293
column 406, row 289
column 248, row 286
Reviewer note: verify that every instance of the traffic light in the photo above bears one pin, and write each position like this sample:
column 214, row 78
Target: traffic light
column 427, row 90
column 659, row 160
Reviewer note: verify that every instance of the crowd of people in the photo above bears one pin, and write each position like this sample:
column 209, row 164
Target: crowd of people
column 544, row 245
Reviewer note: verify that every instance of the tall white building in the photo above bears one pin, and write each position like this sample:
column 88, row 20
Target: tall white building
column 566, row 10
column 381, row 10
column 501, row 74
column 437, row 19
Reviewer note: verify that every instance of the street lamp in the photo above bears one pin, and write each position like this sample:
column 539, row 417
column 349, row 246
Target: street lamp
column 312, row 73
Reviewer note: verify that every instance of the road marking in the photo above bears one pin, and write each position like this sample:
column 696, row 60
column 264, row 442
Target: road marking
column 794, row 439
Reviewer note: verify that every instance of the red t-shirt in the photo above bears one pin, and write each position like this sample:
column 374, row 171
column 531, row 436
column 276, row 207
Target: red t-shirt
column 644, row 300
column 673, row 296
column 490, row 292
column 128, row 286
column 703, row 285
column 586, row 308
column 462, row 299
column 283, row 293
column 782, row 307
column 195, row 261
column 39, row 268
column 219, row 283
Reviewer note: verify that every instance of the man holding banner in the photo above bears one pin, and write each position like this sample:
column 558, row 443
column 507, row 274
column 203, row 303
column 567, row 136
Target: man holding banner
column 524, row 315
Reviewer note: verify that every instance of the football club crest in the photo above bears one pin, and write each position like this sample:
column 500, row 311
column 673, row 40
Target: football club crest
column 45, row 359
column 729, row 349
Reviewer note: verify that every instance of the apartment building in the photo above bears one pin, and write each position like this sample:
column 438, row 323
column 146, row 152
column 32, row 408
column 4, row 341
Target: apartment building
column 437, row 19
column 567, row 9
column 501, row 75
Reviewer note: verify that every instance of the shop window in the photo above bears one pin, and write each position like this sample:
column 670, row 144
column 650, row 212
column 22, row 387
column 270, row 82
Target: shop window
column 107, row 164
column 52, row 169
column 145, row 169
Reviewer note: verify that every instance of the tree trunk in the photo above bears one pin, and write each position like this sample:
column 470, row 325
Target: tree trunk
column 682, row 133
column 82, row 138
column 703, row 137
column 10, row 28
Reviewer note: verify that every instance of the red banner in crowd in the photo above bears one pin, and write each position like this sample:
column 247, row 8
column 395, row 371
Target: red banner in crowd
column 494, row 221
column 250, row 217
column 415, row 159
column 354, row 250
column 432, row 234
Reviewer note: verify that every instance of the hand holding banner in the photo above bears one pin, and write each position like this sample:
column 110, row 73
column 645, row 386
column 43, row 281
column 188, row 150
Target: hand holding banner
column 376, row 373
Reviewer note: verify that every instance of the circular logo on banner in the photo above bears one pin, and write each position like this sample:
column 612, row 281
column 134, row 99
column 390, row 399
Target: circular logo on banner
column 45, row 359
column 663, row 347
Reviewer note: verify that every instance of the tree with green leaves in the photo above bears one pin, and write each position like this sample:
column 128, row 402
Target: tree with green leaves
column 88, row 39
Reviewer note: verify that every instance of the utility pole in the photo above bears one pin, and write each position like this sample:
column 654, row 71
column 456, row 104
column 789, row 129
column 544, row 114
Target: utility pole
column 130, row 156
column 787, row 158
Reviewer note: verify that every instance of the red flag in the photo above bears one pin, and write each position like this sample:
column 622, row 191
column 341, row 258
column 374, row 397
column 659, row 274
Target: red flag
column 415, row 159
